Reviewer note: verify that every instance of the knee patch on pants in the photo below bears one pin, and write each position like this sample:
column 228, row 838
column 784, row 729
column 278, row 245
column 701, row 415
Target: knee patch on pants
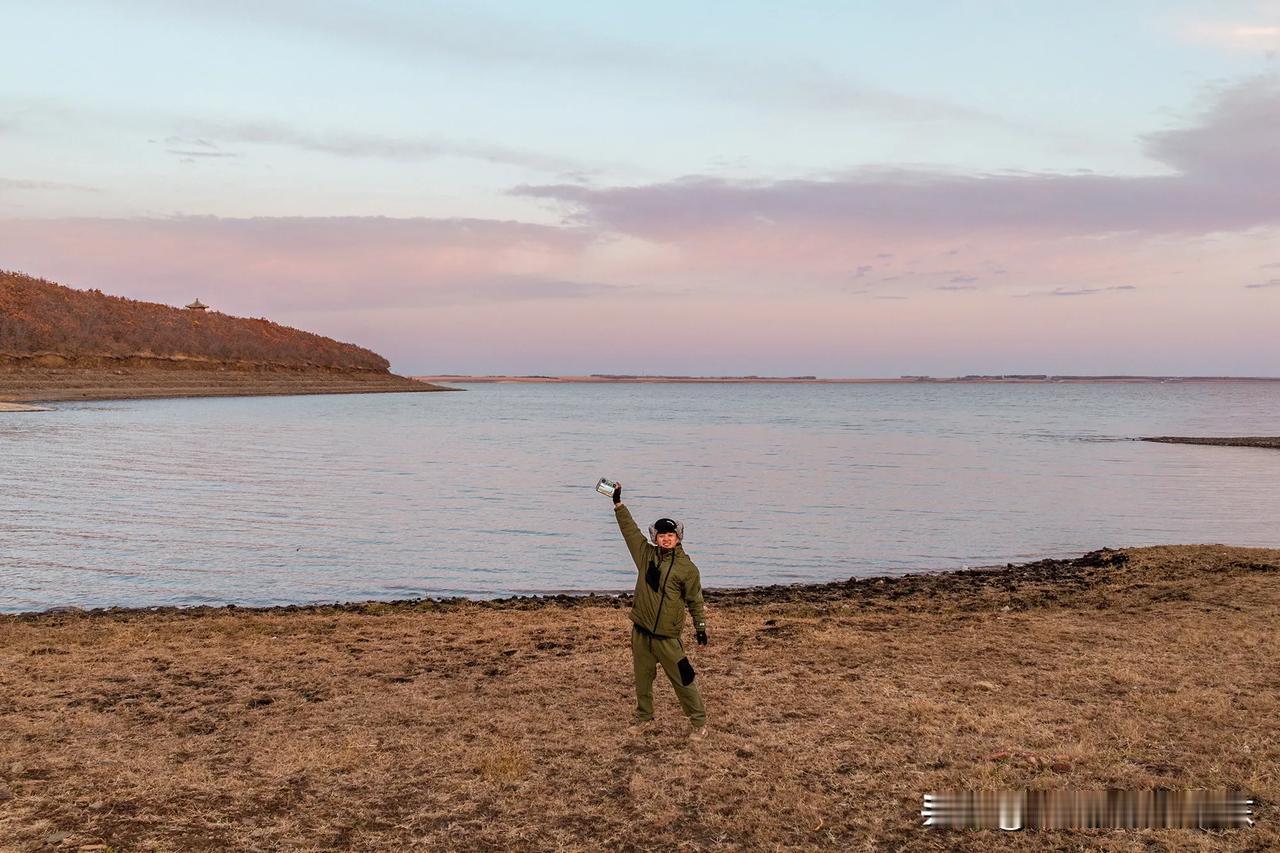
column 686, row 671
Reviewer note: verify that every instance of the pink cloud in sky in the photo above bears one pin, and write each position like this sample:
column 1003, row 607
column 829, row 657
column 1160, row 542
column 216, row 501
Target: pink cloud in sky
column 281, row 263
column 1227, row 167
column 887, row 271
column 463, row 297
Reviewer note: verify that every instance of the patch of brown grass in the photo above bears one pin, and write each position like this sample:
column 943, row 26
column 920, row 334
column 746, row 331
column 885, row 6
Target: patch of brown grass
column 832, row 709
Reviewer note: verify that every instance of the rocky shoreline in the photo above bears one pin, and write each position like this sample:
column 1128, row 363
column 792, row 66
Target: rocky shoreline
column 1034, row 581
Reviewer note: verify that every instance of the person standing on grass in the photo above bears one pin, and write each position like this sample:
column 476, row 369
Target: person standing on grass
column 667, row 582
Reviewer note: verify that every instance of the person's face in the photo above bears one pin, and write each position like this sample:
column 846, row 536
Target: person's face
column 667, row 540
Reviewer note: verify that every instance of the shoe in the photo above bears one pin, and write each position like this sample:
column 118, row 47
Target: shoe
column 698, row 733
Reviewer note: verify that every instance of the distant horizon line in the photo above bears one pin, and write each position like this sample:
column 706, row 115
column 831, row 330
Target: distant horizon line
column 1006, row 378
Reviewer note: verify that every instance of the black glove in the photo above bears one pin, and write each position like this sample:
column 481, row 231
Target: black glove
column 617, row 494
column 702, row 637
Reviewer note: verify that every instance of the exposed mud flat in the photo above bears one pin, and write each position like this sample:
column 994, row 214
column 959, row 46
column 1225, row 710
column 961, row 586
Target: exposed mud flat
column 51, row 384
column 1244, row 441
column 485, row 725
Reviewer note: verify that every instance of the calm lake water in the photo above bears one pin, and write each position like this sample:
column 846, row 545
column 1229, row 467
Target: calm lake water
column 490, row 491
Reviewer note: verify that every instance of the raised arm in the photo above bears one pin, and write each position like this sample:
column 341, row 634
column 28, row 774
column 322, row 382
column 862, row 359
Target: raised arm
column 636, row 543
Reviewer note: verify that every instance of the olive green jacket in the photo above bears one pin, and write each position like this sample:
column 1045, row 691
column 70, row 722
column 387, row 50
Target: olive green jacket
column 667, row 582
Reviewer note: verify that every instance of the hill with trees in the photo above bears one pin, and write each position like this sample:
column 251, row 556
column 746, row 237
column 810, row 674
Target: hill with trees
column 46, row 323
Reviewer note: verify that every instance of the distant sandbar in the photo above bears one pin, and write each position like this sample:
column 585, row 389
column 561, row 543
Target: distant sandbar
column 1270, row 441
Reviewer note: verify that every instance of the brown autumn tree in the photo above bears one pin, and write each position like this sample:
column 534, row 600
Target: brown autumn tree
column 39, row 317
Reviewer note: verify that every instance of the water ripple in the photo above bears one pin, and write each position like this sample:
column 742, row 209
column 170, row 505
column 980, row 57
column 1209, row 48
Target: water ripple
column 311, row 499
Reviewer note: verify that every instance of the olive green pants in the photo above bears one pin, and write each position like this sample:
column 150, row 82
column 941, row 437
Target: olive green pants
column 646, row 653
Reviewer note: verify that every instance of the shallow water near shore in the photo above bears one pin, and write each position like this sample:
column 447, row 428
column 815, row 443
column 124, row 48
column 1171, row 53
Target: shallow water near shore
column 490, row 492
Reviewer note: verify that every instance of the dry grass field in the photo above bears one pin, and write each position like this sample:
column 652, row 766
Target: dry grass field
column 504, row 726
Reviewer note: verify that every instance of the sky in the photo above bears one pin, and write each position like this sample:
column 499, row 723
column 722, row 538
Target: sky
column 723, row 188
